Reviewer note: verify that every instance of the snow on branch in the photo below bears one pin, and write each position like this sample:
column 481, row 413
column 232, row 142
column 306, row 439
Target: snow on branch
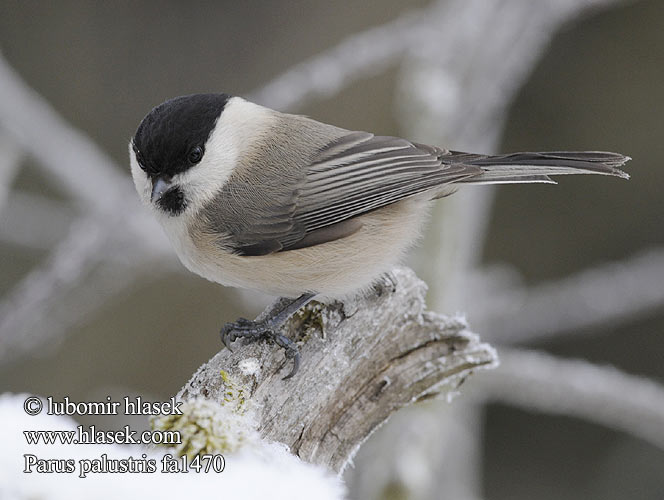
column 601, row 394
column 361, row 361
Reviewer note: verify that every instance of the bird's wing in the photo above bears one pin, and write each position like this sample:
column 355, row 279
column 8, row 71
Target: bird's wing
column 350, row 176
column 360, row 172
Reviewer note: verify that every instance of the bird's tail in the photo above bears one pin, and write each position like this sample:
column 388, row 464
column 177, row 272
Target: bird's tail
column 537, row 167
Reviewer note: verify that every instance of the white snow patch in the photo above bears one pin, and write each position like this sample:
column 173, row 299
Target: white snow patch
column 249, row 366
column 255, row 472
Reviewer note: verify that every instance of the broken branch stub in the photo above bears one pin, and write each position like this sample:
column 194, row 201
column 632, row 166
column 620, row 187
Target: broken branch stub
column 362, row 360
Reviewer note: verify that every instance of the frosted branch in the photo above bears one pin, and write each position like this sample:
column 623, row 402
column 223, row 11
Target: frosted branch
column 73, row 163
column 358, row 56
column 30, row 299
column 577, row 388
column 606, row 296
column 342, row 393
column 34, row 221
column 10, row 159
column 73, row 160
column 56, row 295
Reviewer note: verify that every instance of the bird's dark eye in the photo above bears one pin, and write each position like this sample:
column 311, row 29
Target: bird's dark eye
column 195, row 155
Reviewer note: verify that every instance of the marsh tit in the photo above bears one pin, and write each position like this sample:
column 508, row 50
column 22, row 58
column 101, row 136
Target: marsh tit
column 254, row 198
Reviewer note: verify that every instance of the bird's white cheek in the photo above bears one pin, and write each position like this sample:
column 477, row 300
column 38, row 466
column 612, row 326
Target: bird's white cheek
column 203, row 182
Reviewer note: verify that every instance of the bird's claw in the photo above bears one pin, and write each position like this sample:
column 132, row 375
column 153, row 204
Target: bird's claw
column 253, row 331
column 290, row 351
column 231, row 331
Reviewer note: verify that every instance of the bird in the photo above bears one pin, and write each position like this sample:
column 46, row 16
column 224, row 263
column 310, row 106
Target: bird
column 259, row 199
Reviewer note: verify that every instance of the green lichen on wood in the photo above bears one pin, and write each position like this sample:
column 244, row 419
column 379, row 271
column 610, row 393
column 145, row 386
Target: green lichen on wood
column 308, row 320
column 234, row 393
column 211, row 426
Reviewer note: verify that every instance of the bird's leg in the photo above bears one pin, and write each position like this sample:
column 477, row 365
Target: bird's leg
column 253, row 331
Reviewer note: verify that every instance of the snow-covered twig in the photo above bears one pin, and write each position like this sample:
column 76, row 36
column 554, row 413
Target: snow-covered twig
column 601, row 394
column 76, row 164
column 48, row 300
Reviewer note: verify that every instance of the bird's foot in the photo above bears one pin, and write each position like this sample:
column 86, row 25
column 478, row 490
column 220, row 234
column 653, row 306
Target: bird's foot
column 255, row 331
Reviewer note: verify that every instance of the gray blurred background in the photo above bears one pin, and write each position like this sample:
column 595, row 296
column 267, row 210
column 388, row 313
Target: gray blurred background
column 600, row 85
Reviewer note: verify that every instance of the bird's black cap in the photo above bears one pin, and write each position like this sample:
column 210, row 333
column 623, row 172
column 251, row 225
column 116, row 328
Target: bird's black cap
column 167, row 137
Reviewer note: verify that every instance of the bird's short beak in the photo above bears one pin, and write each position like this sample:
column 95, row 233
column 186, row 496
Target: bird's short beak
column 159, row 186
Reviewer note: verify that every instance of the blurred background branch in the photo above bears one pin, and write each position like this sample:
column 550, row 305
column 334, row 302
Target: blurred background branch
column 602, row 394
column 606, row 296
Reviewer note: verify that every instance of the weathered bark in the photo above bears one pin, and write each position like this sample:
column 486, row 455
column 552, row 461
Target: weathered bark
column 361, row 361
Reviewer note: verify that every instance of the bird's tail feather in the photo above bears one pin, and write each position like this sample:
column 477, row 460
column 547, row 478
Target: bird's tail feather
column 537, row 167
